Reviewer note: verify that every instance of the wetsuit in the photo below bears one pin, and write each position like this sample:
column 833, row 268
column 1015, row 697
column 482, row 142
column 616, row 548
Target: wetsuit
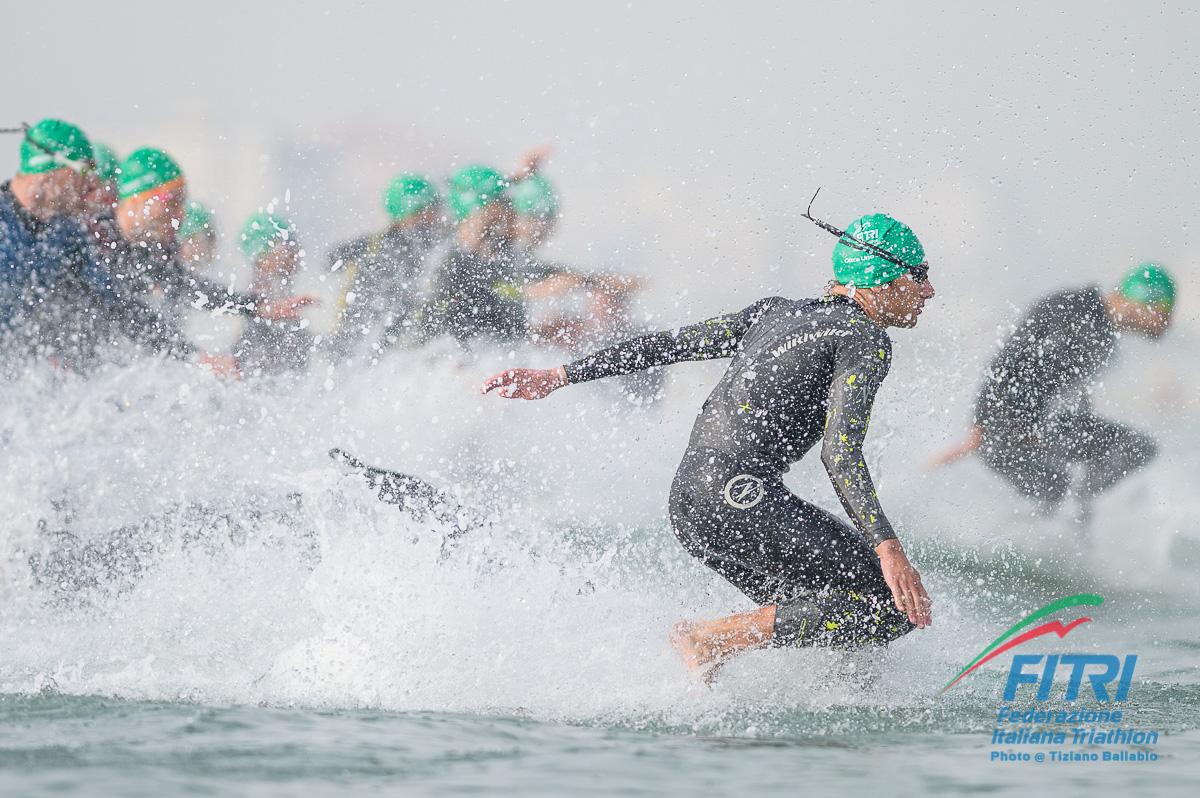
column 1033, row 408
column 139, row 270
column 382, row 282
column 801, row 372
column 272, row 346
column 59, row 298
column 474, row 295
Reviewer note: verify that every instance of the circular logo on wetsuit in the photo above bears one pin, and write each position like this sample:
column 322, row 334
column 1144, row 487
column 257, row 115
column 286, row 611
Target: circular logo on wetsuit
column 744, row 491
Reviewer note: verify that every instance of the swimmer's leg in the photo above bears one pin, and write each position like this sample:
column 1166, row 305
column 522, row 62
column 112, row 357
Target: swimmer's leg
column 1113, row 452
column 791, row 556
column 1031, row 470
column 706, row 645
column 1109, row 451
column 842, row 619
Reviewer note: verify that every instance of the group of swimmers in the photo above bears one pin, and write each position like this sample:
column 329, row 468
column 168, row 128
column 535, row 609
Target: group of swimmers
column 85, row 249
column 806, row 372
column 95, row 250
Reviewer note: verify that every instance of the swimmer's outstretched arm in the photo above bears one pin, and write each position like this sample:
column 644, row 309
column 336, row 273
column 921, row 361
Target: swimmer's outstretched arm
column 715, row 338
column 958, row 450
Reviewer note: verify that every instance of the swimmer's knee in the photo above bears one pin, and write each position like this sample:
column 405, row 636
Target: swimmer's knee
column 796, row 621
column 841, row 619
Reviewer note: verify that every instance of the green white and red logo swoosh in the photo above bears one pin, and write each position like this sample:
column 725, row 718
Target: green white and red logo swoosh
column 999, row 646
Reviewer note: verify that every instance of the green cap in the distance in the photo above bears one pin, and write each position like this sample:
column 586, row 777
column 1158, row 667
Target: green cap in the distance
column 198, row 220
column 107, row 163
column 262, row 231
column 853, row 266
column 52, row 144
column 408, row 194
column 534, row 196
column 473, row 187
column 145, row 169
column 1149, row 284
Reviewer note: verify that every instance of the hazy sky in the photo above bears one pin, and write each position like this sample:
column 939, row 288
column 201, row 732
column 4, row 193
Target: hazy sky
column 1029, row 148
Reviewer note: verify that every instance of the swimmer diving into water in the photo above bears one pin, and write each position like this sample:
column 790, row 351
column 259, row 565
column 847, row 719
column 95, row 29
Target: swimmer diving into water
column 802, row 371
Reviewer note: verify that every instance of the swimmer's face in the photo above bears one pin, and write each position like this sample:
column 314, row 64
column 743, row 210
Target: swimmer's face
column 499, row 223
column 1149, row 320
column 152, row 217
column 198, row 251
column 57, row 192
column 899, row 303
column 280, row 263
column 532, row 231
column 489, row 229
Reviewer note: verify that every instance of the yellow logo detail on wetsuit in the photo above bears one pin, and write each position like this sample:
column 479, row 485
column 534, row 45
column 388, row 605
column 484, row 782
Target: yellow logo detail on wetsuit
column 506, row 290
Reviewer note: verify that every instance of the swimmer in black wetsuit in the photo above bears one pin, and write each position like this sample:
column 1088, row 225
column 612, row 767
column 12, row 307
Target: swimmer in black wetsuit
column 801, row 372
column 1033, row 418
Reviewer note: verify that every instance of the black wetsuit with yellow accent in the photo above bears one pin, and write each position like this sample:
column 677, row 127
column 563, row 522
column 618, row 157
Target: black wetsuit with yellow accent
column 801, row 372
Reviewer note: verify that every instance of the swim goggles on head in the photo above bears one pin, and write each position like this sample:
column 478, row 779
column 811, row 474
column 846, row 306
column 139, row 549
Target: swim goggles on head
column 919, row 272
column 79, row 167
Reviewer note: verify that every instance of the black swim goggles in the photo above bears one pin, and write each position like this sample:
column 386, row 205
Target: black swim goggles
column 919, row 272
column 79, row 167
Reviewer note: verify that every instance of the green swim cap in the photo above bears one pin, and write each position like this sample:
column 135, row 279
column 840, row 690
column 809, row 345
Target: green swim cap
column 1149, row 284
column 107, row 163
column 145, row 169
column 197, row 221
column 534, row 196
column 473, row 187
column 263, row 231
column 52, row 144
column 408, row 194
column 865, row 269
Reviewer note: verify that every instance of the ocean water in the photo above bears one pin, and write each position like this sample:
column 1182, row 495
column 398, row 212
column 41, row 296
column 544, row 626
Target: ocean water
column 278, row 631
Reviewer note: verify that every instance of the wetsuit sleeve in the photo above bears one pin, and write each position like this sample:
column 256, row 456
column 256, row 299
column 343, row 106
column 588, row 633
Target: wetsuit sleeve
column 858, row 372
column 715, row 338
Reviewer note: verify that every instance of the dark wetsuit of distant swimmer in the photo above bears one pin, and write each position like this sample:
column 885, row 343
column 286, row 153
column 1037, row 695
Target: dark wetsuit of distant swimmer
column 1033, row 418
column 1031, row 431
column 802, row 372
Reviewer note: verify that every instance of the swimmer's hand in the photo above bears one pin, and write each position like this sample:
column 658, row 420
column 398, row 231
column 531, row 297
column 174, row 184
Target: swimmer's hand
column 905, row 583
column 526, row 383
column 958, row 450
column 531, row 161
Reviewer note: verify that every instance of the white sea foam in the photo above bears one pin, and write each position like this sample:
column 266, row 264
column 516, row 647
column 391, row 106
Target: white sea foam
column 560, row 608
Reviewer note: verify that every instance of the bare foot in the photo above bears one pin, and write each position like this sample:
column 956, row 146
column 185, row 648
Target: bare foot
column 706, row 645
column 698, row 658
